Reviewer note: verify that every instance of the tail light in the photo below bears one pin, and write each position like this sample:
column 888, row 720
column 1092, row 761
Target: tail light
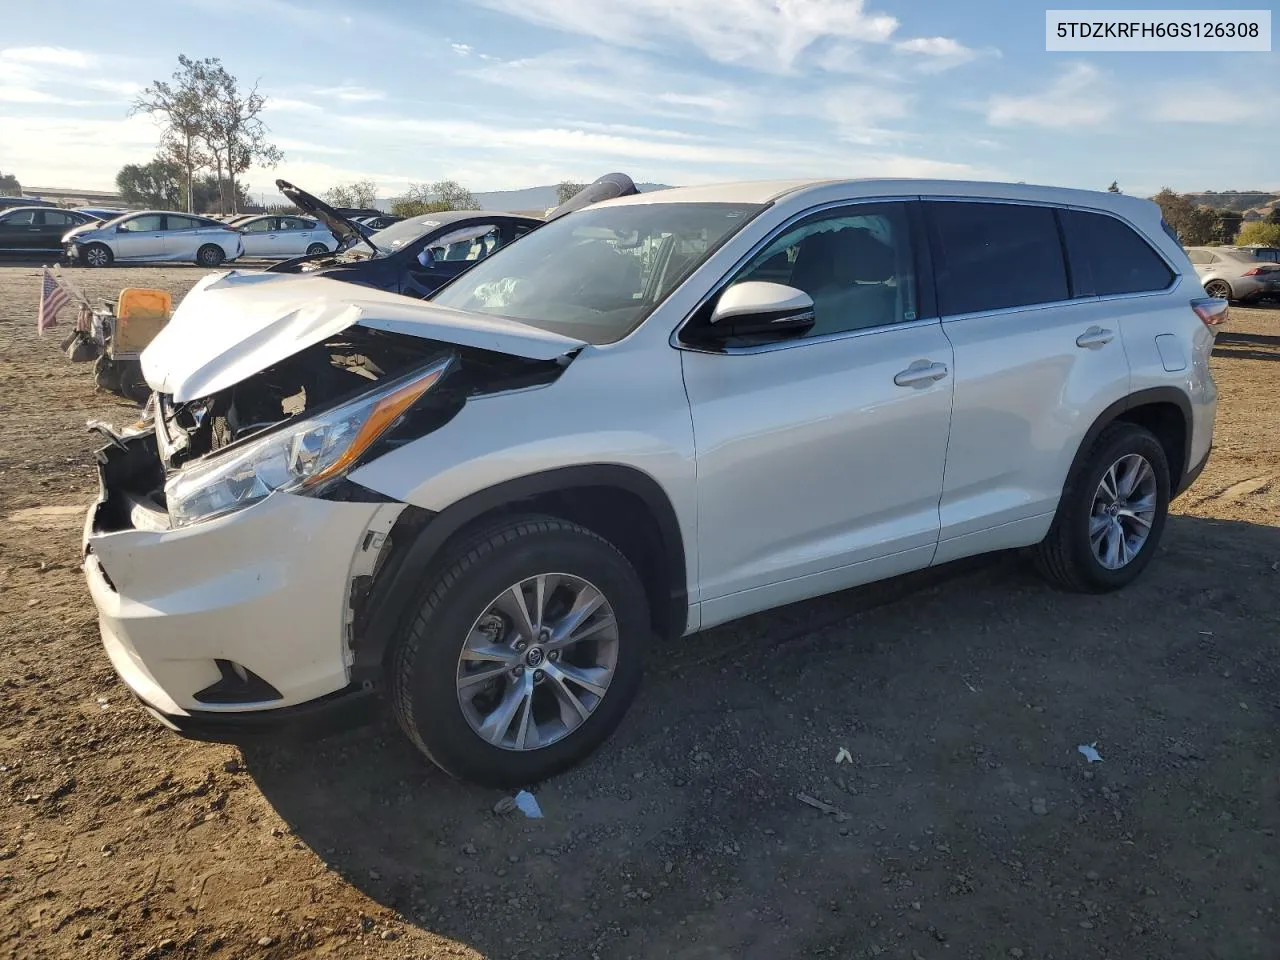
column 1259, row 271
column 1212, row 312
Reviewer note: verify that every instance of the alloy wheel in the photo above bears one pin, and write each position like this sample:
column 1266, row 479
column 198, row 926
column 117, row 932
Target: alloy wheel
column 96, row 257
column 537, row 662
column 1124, row 508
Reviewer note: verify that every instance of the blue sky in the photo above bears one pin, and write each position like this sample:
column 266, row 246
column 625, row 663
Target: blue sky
column 502, row 94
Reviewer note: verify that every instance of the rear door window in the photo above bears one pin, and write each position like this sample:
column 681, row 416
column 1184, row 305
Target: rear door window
column 992, row 256
column 1198, row 256
column 1108, row 256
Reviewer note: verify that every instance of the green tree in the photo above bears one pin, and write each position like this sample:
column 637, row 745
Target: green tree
column 156, row 185
column 9, row 185
column 1194, row 225
column 1114, row 188
column 437, row 197
column 360, row 193
column 1274, row 215
column 179, row 105
column 566, row 190
column 1260, row 234
column 1226, row 225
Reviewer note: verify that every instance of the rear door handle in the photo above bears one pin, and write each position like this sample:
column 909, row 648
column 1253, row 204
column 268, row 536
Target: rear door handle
column 1095, row 337
column 920, row 373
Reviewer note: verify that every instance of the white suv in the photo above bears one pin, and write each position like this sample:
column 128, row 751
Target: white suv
column 648, row 417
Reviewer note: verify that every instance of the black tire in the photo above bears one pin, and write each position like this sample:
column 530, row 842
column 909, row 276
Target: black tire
column 1065, row 557
column 97, row 255
column 316, row 249
column 210, row 255
column 1218, row 288
column 424, row 668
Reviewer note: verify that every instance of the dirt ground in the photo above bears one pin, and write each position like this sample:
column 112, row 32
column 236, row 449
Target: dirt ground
column 970, row 826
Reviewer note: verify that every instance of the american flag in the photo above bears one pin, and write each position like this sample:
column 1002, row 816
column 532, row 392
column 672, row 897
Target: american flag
column 53, row 297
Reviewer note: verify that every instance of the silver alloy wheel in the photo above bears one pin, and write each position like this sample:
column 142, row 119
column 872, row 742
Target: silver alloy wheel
column 1124, row 507
column 97, row 256
column 1218, row 288
column 538, row 661
column 209, row 255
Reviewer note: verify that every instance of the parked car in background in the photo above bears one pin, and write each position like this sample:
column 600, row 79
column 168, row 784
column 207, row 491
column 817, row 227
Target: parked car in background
column 1269, row 254
column 7, row 202
column 281, row 238
column 37, row 229
column 412, row 256
column 648, row 417
column 1233, row 274
column 378, row 223
column 102, row 213
column 152, row 236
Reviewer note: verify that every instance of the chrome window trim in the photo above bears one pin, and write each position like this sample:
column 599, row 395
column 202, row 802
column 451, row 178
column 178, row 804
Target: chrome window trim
column 675, row 341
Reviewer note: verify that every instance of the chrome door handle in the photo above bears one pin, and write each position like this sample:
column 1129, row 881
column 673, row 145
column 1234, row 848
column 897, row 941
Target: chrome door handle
column 920, row 373
column 1095, row 337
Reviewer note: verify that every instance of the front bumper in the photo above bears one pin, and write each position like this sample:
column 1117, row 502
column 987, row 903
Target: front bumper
column 263, row 594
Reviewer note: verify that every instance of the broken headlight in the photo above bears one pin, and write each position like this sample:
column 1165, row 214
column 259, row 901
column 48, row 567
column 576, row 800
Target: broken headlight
column 298, row 457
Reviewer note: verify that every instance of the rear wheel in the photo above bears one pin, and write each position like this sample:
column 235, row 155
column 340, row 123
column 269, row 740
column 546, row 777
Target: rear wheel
column 210, row 255
column 316, row 249
column 97, row 255
column 1218, row 288
column 524, row 654
column 1111, row 515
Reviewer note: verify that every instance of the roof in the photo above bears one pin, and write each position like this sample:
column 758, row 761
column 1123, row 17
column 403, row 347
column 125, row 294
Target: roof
column 767, row 191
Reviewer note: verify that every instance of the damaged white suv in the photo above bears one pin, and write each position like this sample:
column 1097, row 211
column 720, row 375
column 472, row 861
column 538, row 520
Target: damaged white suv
column 645, row 418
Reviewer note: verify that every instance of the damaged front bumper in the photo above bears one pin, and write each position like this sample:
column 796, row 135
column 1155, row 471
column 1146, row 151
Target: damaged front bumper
column 239, row 626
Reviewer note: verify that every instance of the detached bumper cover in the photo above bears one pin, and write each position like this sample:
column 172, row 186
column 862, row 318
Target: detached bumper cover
column 350, row 707
column 266, row 588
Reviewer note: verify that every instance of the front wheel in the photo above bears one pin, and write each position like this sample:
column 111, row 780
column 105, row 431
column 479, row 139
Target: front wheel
column 523, row 655
column 210, row 255
column 97, row 255
column 1111, row 515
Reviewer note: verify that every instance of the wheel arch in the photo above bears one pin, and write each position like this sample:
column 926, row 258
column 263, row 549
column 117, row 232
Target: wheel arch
column 1166, row 412
column 622, row 504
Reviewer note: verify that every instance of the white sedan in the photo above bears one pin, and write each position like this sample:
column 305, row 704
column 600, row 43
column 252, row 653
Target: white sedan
column 279, row 238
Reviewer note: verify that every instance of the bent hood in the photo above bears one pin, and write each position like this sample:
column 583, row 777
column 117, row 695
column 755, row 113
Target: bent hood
column 347, row 232
column 232, row 325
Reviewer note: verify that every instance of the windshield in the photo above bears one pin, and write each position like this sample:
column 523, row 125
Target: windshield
column 596, row 273
column 405, row 232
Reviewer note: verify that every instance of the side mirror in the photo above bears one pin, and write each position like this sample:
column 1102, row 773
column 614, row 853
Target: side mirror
column 756, row 308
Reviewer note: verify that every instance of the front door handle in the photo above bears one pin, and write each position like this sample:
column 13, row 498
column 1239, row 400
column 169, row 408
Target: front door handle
column 1095, row 337
column 921, row 373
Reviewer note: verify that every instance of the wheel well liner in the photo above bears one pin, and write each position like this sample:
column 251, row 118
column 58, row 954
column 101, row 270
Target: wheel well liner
column 624, row 505
column 1166, row 412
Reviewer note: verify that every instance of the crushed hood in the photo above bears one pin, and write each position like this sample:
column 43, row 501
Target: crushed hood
column 232, row 325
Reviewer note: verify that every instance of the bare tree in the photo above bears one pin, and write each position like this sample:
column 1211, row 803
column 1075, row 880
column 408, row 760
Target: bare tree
column 566, row 190
column 178, row 104
column 436, row 197
column 361, row 193
column 235, row 131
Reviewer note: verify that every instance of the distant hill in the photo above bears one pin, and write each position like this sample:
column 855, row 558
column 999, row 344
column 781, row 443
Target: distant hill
column 535, row 198
column 1237, row 200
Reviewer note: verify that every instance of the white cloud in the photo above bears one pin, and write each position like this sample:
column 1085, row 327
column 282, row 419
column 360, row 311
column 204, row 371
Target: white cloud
column 48, row 56
column 75, row 153
column 859, row 111
column 122, row 88
column 350, row 93
column 289, row 105
column 1203, row 103
column 769, row 34
column 461, row 49
column 1077, row 97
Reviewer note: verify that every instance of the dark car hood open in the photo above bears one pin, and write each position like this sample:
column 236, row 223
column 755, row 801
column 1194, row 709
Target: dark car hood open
column 342, row 228
column 608, row 187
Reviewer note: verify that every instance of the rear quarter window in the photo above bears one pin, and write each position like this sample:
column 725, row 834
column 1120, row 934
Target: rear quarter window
column 992, row 256
column 1109, row 257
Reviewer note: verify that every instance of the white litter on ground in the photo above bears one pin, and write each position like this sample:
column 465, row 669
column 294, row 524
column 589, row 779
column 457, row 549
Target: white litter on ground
column 528, row 805
column 1090, row 752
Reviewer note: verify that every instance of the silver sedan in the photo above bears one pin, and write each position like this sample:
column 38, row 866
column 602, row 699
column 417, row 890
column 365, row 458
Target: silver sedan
column 151, row 236
column 1234, row 274
column 281, row 238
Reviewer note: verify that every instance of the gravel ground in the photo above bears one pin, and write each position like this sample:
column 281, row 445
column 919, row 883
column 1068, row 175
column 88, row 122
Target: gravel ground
column 966, row 825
